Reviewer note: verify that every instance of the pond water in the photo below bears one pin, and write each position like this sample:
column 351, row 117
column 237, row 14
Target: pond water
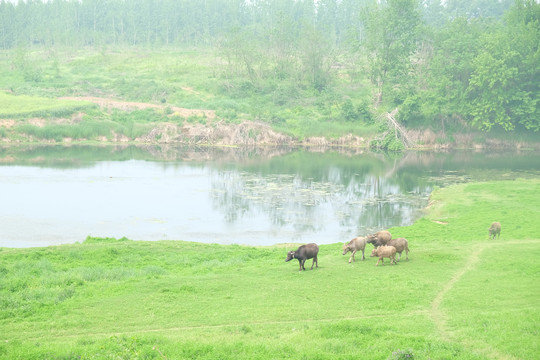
column 56, row 195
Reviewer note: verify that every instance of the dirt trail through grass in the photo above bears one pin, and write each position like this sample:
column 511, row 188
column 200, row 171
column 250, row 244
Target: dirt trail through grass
column 440, row 318
column 131, row 105
column 174, row 329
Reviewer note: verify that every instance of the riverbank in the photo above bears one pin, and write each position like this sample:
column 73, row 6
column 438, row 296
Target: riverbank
column 74, row 120
column 172, row 299
column 182, row 96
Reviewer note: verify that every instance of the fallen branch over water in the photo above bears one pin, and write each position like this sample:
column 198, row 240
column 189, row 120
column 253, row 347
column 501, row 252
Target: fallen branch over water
column 399, row 131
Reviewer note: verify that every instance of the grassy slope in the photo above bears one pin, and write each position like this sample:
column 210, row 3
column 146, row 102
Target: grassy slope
column 179, row 77
column 460, row 296
column 15, row 106
column 188, row 78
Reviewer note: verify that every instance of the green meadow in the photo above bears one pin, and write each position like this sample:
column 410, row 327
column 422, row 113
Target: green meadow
column 460, row 295
column 44, row 119
column 22, row 105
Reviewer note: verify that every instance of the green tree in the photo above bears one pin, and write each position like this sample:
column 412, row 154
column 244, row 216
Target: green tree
column 434, row 13
column 316, row 52
column 7, row 25
column 446, row 70
column 477, row 8
column 504, row 85
column 391, row 35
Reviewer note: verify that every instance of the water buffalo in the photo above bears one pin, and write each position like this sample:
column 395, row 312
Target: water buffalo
column 400, row 244
column 303, row 253
column 495, row 229
column 358, row 243
column 380, row 238
column 385, row 251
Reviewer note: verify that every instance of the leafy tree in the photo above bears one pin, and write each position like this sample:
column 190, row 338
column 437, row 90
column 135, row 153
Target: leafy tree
column 448, row 67
column 504, row 85
column 315, row 52
column 434, row 13
column 391, row 34
column 477, row 8
column 7, row 25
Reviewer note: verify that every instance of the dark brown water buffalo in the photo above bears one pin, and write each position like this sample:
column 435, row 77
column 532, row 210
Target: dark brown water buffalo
column 380, row 238
column 303, row 253
column 358, row 243
column 495, row 230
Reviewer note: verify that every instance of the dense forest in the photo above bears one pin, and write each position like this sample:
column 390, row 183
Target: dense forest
column 469, row 63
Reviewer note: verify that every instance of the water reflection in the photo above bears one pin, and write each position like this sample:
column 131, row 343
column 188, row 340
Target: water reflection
column 263, row 196
column 361, row 204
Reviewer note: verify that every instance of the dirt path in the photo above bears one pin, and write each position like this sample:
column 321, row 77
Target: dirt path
column 132, row 105
column 222, row 326
column 438, row 316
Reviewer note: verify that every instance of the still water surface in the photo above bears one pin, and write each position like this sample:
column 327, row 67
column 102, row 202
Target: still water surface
column 55, row 195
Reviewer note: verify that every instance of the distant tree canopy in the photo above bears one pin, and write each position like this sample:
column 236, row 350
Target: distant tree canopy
column 164, row 22
column 472, row 62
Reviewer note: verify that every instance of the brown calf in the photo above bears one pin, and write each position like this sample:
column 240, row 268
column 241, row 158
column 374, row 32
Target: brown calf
column 385, row 251
column 358, row 243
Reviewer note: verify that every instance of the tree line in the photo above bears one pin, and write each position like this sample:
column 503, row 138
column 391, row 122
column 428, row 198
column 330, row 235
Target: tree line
column 442, row 63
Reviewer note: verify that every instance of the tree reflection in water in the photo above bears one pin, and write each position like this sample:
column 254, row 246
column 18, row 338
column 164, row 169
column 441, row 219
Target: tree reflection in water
column 358, row 204
column 258, row 196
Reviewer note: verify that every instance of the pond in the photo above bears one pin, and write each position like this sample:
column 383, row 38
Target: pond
column 259, row 196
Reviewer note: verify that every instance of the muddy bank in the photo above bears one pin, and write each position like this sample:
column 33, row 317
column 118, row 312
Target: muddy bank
column 249, row 133
column 428, row 139
column 214, row 131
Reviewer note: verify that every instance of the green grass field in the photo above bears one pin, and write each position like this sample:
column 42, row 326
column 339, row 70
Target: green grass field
column 12, row 106
column 460, row 296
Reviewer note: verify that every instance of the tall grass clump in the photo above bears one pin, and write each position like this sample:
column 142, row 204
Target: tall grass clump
column 304, row 127
column 86, row 129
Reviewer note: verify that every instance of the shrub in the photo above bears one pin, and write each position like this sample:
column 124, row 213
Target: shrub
column 402, row 355
column 348, row 112
column 364, row 113
column 390, row 142
column 94, row 240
